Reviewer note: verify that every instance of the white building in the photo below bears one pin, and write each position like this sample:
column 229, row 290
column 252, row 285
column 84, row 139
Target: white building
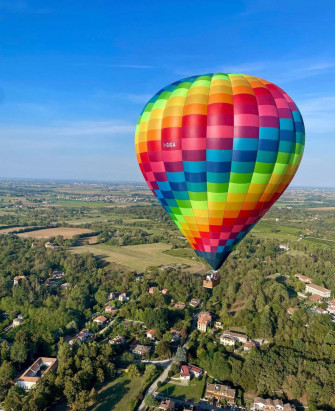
column 41, row 366
column 318, row 290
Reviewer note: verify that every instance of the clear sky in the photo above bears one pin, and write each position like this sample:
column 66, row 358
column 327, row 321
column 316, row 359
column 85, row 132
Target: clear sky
column 75, row 74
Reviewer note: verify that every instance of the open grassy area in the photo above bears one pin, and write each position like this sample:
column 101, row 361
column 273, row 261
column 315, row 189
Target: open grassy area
column 139, row 257
column 191, row 392
column 66, row 232
column 117, row 394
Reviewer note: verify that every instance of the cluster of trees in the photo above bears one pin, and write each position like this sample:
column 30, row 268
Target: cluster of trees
column 82, row 369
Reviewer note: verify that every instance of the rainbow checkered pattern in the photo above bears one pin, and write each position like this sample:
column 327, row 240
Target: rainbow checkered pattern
column 218, row 150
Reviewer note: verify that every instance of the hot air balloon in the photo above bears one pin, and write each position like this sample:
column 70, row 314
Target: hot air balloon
column 218, row 150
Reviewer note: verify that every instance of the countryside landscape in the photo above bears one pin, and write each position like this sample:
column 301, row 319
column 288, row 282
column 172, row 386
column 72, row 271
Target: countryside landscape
column 98, row 277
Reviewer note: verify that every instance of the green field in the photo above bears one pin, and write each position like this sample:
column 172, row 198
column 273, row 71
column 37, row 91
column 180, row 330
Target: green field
column 191, row 392
column 139, row 257
column 117, row 394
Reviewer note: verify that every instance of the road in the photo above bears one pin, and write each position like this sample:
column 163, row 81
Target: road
column 166, row 364
column 153, row 386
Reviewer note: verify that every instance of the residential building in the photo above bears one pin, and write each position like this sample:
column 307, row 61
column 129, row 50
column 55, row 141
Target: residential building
column 218, row 325
column 320, row 310
column 165, row 291
column 100, row 320
column 151, row 334
column 220, row 392
column 204, row 321
column 109, row 309
column 176, row 335
column 179, row 306
column 113, row 295
column 303, row 278
column 167, row 405
column 17, row 321
column 315, row 298
column 284, row 247
column 318, row 290
column 291, row 310
column 41, row 366
column 123, row 297
column 152, row 290
column 249, row 345
column 196, row 371
column 185, row 375
column 270, row 405
column 238, row 337
column 331, row 307
column 17, row 278
column 141, row 350
column 227, row 340
column 195, row 302
column 117, row 340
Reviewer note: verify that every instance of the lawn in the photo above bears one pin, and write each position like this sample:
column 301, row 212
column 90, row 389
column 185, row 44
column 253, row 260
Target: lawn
column 139, row 257
column 65, row 232
column 117, row 394
column 191, row 392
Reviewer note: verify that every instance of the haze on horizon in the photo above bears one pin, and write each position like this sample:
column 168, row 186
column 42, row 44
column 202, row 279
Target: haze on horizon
column 75, row 76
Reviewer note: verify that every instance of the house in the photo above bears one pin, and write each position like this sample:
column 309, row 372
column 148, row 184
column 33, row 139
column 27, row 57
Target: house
column 17, row 278
column 249, row 345
column 303, row 278
column 152, row 290
column 185, row 375
column 113, row 295
column 284, row 247
column 270, row 405
column 179, row 306
column 218, row 325
column 195, row 302
column 220, row 392
column 123, row 297
column 320, row 310
column 65, row 286
column 141, row 350
column 17, row 321
column 110, row 309
column 291, row 310
column 238, row 337
column 227, row 340
column 318, row 290
column 117, row 340
column 51, row 245
column 196, row 371
column 82, row 336
column 151, row 334
column 331, row 306
column 176, row 335
column 165, row 291
column 167, row 405
column 100, row 320
column 41, row 366
column 204, row 321
column 316, row 298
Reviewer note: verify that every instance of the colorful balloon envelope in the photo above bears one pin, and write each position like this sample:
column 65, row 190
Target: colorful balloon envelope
column 218, row 150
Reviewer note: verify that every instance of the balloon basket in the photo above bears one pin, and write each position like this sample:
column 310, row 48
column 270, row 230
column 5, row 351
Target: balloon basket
column 211, row 280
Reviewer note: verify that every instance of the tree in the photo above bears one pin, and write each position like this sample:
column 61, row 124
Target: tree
column 13, row 401
column 150, row 372
column 19, row 352
column 163, row 349
column 149, row 400
column 181, row 354
column 133, row 371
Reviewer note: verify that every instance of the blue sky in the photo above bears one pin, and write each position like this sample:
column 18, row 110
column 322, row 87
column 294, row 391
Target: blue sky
column 75, row 74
